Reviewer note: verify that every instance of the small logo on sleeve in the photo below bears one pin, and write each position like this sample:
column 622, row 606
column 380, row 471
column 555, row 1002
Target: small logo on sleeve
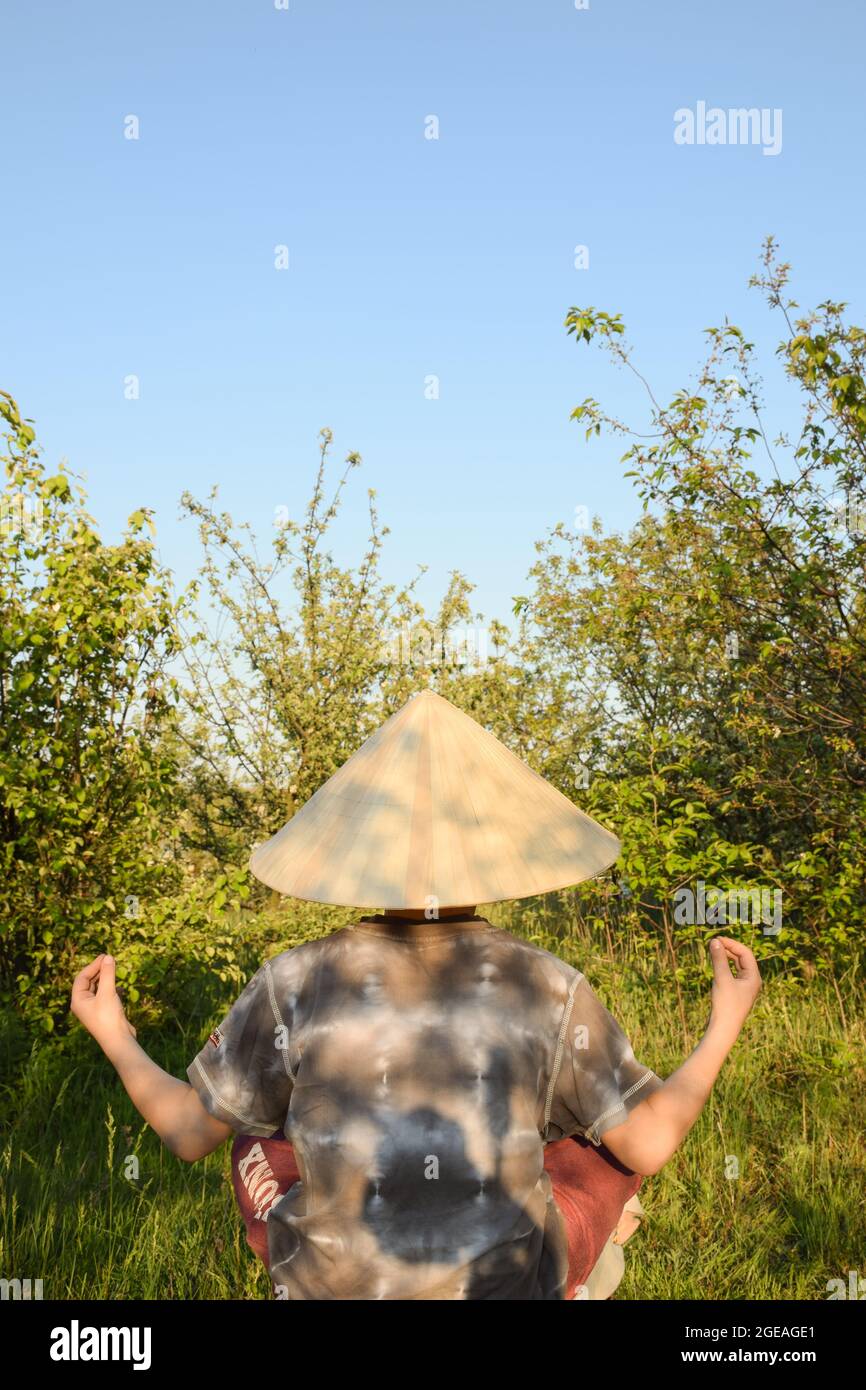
column 216, row 1037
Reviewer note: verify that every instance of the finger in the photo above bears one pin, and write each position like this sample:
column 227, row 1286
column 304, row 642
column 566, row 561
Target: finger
column 732, row 944
column 721, row 969
column 85, row 978
column 107, row 976
column 742, row 956
column 744, row 961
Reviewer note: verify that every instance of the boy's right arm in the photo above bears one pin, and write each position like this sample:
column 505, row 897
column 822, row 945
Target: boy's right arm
column 655, row 1129
column 171, row 1107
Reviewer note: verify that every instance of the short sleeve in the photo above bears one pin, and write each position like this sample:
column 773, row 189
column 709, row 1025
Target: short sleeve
column 596, row 1080
column 243, row 1074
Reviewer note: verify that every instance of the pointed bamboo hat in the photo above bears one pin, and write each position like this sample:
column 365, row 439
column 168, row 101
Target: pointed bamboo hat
column 432, row 806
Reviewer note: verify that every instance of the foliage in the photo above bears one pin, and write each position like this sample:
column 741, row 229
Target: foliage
column 86, row 787
column 720, row 647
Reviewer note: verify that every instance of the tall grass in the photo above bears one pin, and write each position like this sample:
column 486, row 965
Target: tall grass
column 765, row 1199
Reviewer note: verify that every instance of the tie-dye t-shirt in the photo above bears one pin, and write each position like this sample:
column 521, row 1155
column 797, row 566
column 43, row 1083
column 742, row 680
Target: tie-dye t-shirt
column 418, row 1069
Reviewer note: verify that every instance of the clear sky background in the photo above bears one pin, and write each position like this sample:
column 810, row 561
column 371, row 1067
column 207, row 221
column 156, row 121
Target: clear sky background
column 408, row 257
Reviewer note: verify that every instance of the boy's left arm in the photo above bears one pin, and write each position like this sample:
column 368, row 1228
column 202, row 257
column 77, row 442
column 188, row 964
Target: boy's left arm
column 654, row 1130
column 171, row 1107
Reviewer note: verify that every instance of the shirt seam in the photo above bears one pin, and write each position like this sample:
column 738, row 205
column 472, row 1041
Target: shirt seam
column 620, row 1105
column 560, row 1047
column 245, row 1119
column 273, row 998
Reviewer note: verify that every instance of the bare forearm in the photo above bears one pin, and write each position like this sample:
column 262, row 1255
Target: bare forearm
column 170, row 1106
column 675, row 1107
column 656, row 1128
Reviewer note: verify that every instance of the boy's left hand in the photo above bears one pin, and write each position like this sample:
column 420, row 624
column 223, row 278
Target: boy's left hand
column 96, row 1003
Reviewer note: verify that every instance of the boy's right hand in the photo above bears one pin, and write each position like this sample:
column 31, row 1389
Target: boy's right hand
column 96, row 1003
column 733, row 995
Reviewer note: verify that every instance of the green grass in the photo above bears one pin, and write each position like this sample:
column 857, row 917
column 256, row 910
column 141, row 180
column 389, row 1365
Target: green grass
column 789, row 1108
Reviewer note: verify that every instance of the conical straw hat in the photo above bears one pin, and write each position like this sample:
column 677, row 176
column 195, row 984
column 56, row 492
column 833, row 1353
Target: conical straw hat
column 432, row 808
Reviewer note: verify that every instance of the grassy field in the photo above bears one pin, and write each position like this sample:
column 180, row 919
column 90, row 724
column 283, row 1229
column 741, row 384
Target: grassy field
column 789, row 1110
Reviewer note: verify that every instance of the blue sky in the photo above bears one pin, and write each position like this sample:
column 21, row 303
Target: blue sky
column 408, row 257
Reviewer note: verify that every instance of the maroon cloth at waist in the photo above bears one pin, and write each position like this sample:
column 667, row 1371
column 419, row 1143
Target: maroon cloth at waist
column 590, row 1187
